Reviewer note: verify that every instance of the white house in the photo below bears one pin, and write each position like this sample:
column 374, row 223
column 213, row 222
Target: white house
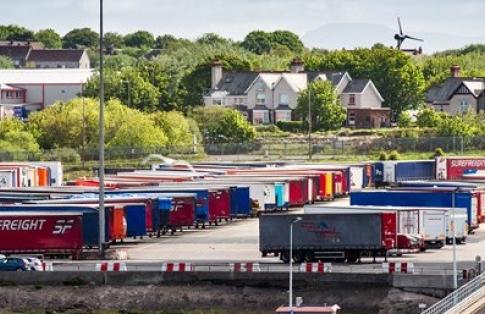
column 25, row 90
column 269, row 97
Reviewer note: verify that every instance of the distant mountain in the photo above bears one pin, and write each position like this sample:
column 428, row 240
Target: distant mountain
column 353, row 35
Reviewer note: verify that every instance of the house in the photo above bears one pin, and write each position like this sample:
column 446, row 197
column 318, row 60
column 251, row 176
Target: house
column 26, row 90
column 58, row 58
column 28, row 55
column 269, row 97
column 458, row 95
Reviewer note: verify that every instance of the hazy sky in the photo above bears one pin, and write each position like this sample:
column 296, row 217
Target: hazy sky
column 234, row 18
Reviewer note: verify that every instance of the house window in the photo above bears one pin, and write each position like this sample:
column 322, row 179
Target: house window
column 217, row 102
column 284, row 99
column 351, row 99
column 464, row 106
column 351, row 119
column 283, row 115
column 260, row 98
column 260, row 86
column 18, row 95
column 260, row 116
column 10, row 95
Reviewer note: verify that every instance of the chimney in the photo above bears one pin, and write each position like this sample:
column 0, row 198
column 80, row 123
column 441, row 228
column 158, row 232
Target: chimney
column 297, row 66
column 216, row 73
column 455, row 71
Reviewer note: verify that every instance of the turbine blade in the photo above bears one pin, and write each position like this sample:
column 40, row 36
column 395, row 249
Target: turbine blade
column 400, row 26
column 414, row 38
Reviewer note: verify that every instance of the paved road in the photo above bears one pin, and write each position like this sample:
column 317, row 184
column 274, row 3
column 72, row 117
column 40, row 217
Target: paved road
column 238, row 241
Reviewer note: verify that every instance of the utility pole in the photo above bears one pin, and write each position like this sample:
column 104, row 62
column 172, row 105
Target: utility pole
column 310, row 148
column 83, row 126
column 101, row 134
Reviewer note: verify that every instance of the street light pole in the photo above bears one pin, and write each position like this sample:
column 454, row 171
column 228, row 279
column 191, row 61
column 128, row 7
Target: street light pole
column 290, row 300
column 453, row 228
column 101, row 133
column 309, row 123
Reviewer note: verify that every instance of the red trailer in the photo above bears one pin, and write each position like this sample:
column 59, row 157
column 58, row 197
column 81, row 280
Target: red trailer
column 41, row 232
column 298, row 191
column 219, row 205
column 460, row 168
column 182, row 213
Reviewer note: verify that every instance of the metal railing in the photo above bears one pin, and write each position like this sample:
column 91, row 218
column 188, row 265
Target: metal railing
column 460, row 299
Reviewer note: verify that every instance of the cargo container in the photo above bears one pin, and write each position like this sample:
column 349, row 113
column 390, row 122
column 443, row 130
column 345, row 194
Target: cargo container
column 432, row 224
column 442, row 198
column 41, row 232
column 390, row 172
column 460, row 168
column 346, row 236
column 136, row 219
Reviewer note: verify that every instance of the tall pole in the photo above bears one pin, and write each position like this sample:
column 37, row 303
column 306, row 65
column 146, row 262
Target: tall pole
column 290, row 300
column 83, row 126
column 453, row 228
column 101, row 132
column 309, row 123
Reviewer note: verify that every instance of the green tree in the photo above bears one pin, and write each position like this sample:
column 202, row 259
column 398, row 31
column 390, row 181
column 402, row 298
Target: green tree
column 15, row 138
column 327, row 112
column 287, row 39
column 114, row 40
column 15, row 32
column 176, row 127
column 49, row 38
column 131, row 128
column 6, row 63
column 211, row 39
column 69, row 125
column 117, row 62
column 171, row 43
column 258, row 42
column 428, row 118
column 81, row 38
column 223, row 125
column 140, row 39
column 129, row 86
column 404, row 120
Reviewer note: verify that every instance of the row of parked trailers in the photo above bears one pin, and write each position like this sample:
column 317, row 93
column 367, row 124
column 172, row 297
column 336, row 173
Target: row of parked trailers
column 152, row 203
column 414, row 216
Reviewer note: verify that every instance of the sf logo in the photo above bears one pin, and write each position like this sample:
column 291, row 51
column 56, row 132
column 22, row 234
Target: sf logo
column 62, row 226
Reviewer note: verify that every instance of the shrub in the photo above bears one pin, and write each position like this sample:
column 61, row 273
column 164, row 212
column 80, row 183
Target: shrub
column 438, row 152
column 383, row 156
column 293, row 126
column 404, row 120
column 394, row 155
column 271, row 128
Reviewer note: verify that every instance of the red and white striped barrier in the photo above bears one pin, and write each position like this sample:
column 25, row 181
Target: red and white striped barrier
column 316, row 267
column 399, row 267
column 176, row 267
column 244, row 267
column 47, row 266
column 111, row 266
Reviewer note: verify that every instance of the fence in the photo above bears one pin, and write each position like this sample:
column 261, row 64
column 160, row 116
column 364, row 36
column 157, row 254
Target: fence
column 461, row 299
column 284, row 148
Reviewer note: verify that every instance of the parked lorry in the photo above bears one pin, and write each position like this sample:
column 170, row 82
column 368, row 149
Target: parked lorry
column 392, row 172
column 460, row 168
column 337, row 236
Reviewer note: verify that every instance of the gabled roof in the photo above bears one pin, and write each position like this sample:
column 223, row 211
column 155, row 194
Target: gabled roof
column 15, row 52
column 236, row 83
column 444, row 91
column 356, row 86
column 56, row 55
column 335, row 77
column 296, row 81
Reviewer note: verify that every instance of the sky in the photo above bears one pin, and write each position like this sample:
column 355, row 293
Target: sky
column 235, row 18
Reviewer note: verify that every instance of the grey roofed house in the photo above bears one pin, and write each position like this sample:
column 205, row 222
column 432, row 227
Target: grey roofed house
column 236, row 83
column 18, row 54
column 52, row 55
column 444, row 91
column 356, row 86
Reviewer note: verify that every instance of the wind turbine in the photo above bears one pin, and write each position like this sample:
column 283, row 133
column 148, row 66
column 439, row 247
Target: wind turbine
column 401, row 37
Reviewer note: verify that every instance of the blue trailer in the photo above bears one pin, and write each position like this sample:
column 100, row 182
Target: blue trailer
column 240, row 201
column 391, row 172
column 136, row 223
column 437, row 198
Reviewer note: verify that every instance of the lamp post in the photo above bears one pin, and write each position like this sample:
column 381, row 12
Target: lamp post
column 101, row 132
column 310, row 123
column 453, row 229
column 290, row 301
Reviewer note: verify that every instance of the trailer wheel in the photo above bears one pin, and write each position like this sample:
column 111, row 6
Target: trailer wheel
column 203, row 226
column 352, row 256
column 298, row 257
